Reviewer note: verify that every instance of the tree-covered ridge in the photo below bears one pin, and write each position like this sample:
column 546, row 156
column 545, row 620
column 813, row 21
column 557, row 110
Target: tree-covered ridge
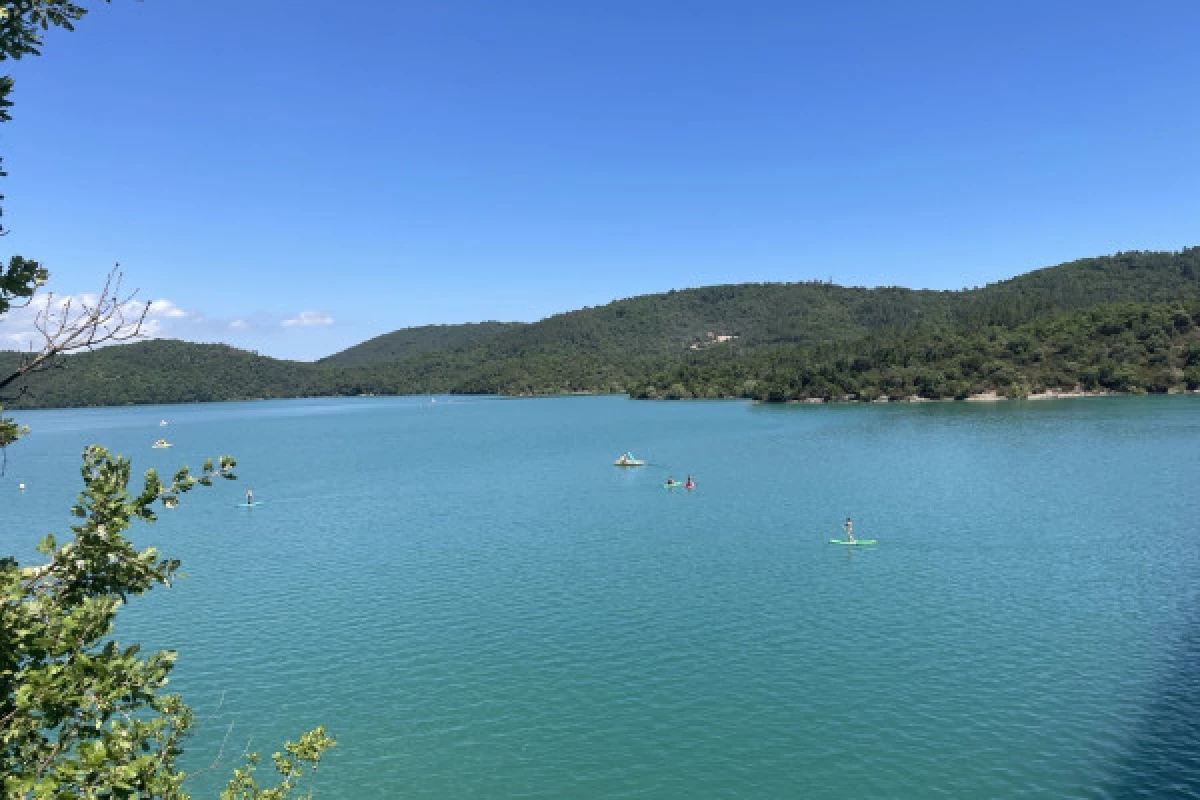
column 620, row 345
column 1115, row 322
column 167, row 371
column 1139, row 275
column 666, row 324
column 410, row 342
column 1128, row 347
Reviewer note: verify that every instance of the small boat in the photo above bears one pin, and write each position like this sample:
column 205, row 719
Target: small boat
column 162, row 422
column 161, row 443
column 627, row 460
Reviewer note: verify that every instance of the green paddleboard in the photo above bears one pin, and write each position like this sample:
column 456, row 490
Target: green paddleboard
column 855, row 542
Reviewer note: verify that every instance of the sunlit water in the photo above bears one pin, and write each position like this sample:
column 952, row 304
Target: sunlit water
column 478, row 604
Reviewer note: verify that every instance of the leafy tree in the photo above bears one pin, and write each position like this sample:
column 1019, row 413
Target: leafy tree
column 80, row 715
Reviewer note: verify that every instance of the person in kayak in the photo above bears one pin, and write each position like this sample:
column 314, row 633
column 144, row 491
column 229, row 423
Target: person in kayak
column 689, row 483
column 849, row 528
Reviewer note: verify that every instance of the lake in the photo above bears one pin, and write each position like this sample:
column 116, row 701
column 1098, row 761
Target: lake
column 477, row 603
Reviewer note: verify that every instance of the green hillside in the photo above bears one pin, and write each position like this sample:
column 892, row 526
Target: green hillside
column 674, row 322
column 1126, row 323
column 1124, row 347
column 410, row 342
column 167, row 371
column 621, row 344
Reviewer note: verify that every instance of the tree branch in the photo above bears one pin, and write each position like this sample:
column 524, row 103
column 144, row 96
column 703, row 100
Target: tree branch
column 78, row 325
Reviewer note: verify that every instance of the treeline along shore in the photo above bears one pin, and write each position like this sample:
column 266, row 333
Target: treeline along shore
column 1126, row 323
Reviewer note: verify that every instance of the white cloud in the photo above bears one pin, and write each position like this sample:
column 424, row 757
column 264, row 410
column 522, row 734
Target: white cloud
column 152, row 329
column 165, row 308
column 260, row 330
column 17, row 330
column 19, row 327
column 307, row 318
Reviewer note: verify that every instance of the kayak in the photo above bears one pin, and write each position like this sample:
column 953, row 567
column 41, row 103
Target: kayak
column 636, row 463
column 855, row 542
column 672, row 485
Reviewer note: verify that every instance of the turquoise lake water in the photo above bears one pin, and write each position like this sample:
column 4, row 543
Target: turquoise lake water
column 478, row 604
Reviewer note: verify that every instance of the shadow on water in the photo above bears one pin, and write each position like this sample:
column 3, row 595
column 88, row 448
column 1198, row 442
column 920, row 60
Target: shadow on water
column 1164, row 761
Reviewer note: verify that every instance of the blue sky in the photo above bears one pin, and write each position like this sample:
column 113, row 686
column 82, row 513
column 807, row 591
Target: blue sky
column 354, row 168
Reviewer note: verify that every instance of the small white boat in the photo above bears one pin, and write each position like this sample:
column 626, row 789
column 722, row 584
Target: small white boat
column 163, row 422
column 161, row 443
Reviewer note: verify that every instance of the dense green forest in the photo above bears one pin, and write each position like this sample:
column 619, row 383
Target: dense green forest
column 409, row 342
column 1133, row 347
column 164, row 371
column 1128, row 322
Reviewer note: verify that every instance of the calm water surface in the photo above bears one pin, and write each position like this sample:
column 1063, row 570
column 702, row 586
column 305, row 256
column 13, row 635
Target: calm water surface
column 478, row 604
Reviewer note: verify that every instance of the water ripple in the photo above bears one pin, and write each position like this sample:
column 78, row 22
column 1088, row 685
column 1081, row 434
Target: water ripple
column 479, row 607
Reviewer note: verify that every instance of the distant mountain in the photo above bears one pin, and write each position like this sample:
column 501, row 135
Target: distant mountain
column 410, row 342
column 1127, row 322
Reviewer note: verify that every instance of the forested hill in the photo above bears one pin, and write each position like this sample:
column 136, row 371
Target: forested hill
column 410, row 342
column 165, row 371
column 1126, row 322
column 1134, row 277
column 756, row 315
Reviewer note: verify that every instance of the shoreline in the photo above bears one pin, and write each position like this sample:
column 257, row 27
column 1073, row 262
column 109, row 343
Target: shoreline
column 990, row 396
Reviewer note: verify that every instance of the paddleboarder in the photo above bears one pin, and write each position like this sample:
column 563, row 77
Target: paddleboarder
column 849, row 528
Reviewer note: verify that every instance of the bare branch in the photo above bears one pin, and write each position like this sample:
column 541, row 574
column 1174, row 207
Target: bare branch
column 216, row 762
column 79, row 325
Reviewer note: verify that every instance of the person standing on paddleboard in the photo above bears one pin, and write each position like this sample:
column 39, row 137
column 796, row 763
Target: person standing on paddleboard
column 249, row 497
column 849, row 526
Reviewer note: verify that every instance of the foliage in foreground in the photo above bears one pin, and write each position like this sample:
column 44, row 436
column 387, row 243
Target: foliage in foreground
column 80, row 714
